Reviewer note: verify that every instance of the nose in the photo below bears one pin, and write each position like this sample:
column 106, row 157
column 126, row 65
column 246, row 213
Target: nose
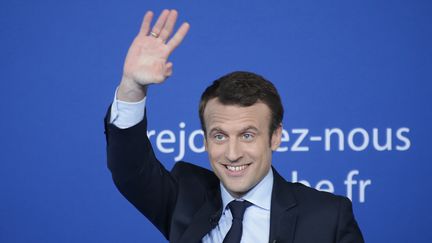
column 233, row 152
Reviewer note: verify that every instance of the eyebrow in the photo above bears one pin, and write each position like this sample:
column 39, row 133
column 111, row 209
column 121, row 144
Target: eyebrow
column 248, row 128
column 216, row 129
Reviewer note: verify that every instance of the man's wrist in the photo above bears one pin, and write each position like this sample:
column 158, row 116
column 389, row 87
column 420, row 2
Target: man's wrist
column 130, row 91
column 126, row 114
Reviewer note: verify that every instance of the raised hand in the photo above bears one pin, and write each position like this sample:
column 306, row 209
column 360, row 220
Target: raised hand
column 147, row 59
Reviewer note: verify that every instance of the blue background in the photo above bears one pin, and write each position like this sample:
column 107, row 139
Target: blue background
column 343, row 64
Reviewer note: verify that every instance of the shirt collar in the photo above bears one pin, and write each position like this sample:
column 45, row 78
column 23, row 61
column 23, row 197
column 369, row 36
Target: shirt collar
column 259, row 195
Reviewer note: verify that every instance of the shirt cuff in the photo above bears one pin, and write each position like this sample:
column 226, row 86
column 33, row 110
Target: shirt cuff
column 126, row 114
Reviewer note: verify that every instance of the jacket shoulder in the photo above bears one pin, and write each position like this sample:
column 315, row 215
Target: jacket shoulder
column 187, row 172
column 307, row 194
column 319, row 205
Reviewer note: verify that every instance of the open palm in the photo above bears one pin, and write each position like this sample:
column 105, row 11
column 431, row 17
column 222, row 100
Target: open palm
column 146, row 61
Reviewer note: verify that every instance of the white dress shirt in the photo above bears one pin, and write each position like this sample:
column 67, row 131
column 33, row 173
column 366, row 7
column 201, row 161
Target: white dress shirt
column 256, row 220
column 126, row 114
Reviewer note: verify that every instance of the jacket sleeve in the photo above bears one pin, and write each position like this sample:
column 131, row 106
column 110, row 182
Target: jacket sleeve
column 347, row 231
column 138, row 175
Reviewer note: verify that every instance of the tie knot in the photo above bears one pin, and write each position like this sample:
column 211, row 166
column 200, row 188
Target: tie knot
column 238, row 208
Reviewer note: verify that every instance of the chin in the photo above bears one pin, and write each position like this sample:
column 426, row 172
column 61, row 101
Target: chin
column 238, row 191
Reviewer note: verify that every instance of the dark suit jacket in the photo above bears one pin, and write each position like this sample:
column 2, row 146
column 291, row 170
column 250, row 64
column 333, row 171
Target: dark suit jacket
column 185, row 204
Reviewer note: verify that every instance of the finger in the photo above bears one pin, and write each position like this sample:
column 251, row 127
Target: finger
column 169, row 25
column 178, row 36
column 145, row 26
column 168, row 69
column 160, row 22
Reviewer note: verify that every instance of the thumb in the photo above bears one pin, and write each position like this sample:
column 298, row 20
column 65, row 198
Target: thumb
column 168, row 69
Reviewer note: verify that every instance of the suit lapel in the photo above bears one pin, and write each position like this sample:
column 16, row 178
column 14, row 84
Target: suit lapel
column 206, row 218
column 282, row 216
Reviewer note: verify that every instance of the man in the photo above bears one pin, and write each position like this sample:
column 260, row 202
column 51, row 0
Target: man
column 244, row 199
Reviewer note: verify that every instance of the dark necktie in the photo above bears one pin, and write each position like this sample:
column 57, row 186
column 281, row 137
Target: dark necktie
column 237, row 210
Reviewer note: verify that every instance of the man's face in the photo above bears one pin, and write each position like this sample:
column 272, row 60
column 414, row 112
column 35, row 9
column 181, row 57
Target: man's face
column 238, row 144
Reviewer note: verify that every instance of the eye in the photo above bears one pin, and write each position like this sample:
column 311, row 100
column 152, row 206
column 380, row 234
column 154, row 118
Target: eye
column 248, row 136
column 219, row 137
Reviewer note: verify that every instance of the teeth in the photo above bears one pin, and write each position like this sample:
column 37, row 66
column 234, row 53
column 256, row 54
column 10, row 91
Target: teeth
column 236, row 168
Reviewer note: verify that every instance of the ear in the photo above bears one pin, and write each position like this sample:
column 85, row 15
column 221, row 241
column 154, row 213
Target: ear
column 276, row 137
column 205, row 143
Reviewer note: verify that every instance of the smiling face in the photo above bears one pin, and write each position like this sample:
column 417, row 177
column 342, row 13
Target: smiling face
column 238, row 144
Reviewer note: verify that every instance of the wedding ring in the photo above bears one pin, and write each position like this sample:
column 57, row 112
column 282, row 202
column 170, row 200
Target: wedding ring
column 154, row 34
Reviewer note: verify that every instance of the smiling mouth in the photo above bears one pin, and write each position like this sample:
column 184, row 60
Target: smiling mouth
column 236, row 168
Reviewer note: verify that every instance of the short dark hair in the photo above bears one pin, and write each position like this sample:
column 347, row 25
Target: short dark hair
column 244, row 89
